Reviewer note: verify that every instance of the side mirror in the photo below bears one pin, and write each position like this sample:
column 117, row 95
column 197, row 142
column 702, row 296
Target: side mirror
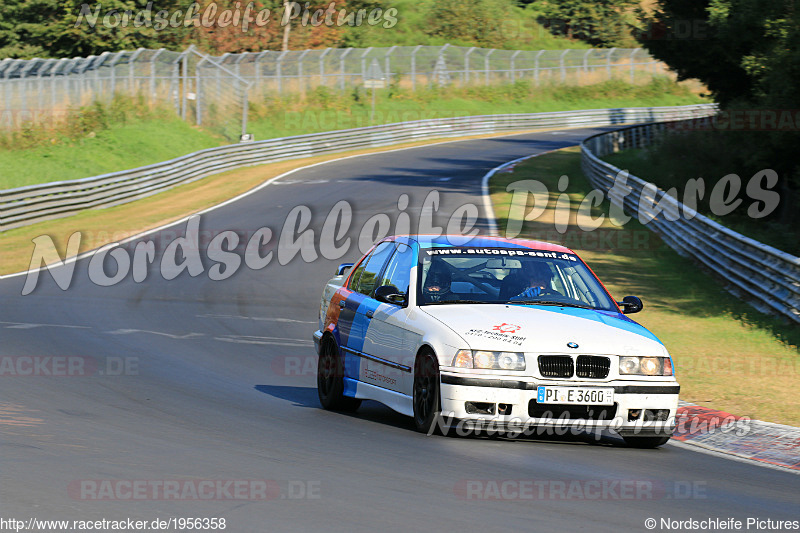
column 390, row 294
column 631, row 304
column 343, row 268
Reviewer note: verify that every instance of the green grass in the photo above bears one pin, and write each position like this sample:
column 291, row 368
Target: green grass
column 642, row 163
column 326, row 110
column 120, row 147
column 126, row 135
column 727, row 355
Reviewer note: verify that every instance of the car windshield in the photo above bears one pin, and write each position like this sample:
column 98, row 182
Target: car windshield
column 454, row 275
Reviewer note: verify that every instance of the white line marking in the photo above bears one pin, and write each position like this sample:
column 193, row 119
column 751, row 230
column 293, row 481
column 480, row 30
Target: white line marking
column 27, row 325
column 259, row 318
column 487, row 200
column 170, row 335
column 252, row 339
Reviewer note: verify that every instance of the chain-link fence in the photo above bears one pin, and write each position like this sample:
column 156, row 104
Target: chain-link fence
column 214, row 91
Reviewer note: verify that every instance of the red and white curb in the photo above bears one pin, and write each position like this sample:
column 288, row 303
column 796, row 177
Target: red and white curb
column 753, row 440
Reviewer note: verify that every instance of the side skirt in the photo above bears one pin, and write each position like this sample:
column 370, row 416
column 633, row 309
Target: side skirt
column 401, row 403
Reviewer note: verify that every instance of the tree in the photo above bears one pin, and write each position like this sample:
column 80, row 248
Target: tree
column 598, row 22
column 747, row 52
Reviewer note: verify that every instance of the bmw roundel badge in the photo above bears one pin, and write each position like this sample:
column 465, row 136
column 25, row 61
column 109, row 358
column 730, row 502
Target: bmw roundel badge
column 572, row 345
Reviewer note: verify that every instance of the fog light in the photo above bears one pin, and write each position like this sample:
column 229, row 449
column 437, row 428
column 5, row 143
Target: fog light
column 479, row 408
column 634, row 414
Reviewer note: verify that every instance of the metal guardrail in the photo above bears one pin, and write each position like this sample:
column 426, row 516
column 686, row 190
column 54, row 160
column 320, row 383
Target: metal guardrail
column 766, row 277
column 36, row 203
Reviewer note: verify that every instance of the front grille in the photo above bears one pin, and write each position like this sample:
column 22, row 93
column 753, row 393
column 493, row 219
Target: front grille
column 556, row 366
column 592, row 366
column 571, row 412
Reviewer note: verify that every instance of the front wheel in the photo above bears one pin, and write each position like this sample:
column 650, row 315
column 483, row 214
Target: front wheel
column 427, row 402
column 330, row 379
column 645, row 442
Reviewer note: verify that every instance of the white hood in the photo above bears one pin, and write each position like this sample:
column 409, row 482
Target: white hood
column 516, row 328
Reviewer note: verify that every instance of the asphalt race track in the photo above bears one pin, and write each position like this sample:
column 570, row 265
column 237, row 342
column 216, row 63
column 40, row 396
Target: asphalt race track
column 220, row 386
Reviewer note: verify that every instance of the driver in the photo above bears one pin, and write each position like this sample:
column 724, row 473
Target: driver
column 536, row 280
column 437, row 284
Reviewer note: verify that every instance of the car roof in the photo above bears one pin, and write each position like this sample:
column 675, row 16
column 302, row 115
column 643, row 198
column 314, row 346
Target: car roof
column 480, row 241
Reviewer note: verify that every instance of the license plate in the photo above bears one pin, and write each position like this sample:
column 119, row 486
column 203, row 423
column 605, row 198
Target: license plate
column 575, row 395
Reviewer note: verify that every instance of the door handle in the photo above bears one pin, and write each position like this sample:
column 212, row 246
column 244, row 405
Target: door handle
column 370, row 313
column 341, row 304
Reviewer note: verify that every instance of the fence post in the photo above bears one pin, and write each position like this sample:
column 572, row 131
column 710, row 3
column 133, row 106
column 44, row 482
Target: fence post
column 388, row 64
column 257, row 68
column 561, row 64
column 153, row 73
column 536, row 66
column 586, row 59
column 279, row 70
column 608, row 62
column 300, row 69
column 198, row 107
column 322, row 66
column 364, row 64
column 633, row 53
column 341, row 67
column 414, row 67
column 245, row 104
column 486, row 65
column 131, row 65
column 466, row 64
column 514, row 66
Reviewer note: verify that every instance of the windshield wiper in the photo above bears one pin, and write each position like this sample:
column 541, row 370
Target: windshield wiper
column 549, row 302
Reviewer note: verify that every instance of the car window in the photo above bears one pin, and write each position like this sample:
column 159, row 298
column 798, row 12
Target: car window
column 479, row 275
column 398, row 271
column 372, row 268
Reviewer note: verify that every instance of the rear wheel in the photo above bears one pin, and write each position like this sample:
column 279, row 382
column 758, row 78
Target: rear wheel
column 330, row 379
column 427, row 402
column 645, row 442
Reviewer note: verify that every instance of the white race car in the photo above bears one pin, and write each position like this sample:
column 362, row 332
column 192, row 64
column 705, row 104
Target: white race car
column 491, row 333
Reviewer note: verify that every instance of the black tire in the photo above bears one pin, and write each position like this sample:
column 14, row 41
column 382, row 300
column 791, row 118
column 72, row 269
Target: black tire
column 645, row 442
column 330, row 379
column 426, row 395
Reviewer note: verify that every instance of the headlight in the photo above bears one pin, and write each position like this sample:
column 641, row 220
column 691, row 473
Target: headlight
column 645, row 366
column 489, row 360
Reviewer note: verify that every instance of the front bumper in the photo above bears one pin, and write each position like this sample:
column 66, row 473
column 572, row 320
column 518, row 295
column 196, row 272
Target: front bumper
column 643, row 408
column 317, row 340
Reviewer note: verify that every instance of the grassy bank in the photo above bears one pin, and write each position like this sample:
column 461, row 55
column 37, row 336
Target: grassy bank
column 127, row 133
column 666, row 172
column 727, row 355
